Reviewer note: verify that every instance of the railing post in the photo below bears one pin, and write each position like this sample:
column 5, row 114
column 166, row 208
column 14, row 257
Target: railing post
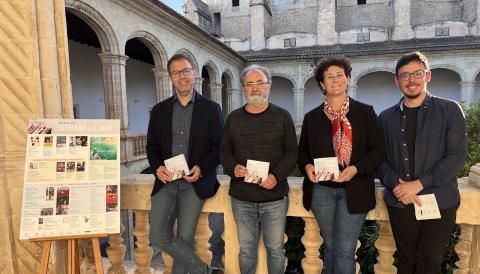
column 312, row 241
column 116, row 252
column 386, row 247
column 143, row 252
column 464, row 249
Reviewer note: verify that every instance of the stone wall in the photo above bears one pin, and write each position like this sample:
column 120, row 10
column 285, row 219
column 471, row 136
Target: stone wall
column 379, row 15
column 428, row 11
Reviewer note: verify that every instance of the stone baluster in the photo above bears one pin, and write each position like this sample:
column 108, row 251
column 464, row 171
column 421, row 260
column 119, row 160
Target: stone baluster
column 386, row 247
column 312, row 241
column 87, row 264
column 357, row 265
column 475, row 258
column 143, row 252
column 116, row 252
column 232, row 248
column 464, row 249
column 202, row 236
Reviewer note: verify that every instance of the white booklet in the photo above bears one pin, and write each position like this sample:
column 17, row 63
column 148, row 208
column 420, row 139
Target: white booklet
column 326, row 169
column 429, row 209
column 257, row 171
column 177, row 166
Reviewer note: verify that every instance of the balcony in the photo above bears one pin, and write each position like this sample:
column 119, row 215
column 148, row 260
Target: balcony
column 135, row 196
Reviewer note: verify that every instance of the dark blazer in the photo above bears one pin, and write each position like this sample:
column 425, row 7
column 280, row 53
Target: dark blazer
column 367, row 152
column 206, row 132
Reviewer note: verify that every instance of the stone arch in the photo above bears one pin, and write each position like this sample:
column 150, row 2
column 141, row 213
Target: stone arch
column 377, row 88
column 212, row 71
column 286, row 76
column 282, row 93
column 461, row 73
column 446, row 82
column 228, row 73
column 192, row 58
column 97, row 22
column 356, row 78
column 154, row 45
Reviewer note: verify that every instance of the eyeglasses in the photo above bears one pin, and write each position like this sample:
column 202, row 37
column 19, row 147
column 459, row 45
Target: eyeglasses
column 259, row 84
column 184, row 72
column 418, row 74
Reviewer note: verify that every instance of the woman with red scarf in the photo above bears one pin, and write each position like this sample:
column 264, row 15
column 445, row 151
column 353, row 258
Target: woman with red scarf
column 344, row 128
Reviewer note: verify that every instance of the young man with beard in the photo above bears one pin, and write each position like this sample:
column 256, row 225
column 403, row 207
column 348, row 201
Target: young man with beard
column 425, row 140
column 263, row 132
column 189, row 124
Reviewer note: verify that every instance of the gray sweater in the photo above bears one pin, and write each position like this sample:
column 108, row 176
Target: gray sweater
column 268, row 136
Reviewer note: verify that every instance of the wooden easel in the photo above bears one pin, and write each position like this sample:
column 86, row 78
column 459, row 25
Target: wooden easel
column 73, row 260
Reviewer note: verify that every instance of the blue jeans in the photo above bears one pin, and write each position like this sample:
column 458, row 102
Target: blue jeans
column 271, row 216
column 177, row 201
column 339, row 229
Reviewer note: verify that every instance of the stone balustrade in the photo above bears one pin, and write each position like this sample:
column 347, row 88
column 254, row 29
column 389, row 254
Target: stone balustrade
column 135, row 195
column 133, row 147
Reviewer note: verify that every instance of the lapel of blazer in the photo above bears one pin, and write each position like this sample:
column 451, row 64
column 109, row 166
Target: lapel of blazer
column 356, row 122
column 168, row 126
column 195, row 123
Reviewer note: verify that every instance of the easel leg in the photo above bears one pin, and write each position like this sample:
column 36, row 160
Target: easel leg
column 45, row 257
column 73, row 266
column 98, row 255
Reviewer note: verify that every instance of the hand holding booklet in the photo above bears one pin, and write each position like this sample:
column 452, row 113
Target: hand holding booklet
column 429, row 209
column 326, row 169
column 177, row 166
column 257, row 171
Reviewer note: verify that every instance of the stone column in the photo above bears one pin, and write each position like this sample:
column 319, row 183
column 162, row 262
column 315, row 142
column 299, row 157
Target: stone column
column 229, row 100
column 34, row 81
column 402, row 29
column 468, row 88
column 298, row 97
column 216, row 93
column 352, row 90
column 162, row 83
column 114, row 85
column 326, row 34
column 198, row 84
column 258, row 22
column 478, row 18
column 237, row 99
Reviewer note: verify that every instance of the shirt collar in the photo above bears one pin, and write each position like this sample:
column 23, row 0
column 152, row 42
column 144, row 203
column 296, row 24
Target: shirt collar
column 425, row 104
column 194, row 93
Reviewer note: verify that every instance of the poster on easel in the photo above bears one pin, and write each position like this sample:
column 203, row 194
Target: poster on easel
column 72, row 178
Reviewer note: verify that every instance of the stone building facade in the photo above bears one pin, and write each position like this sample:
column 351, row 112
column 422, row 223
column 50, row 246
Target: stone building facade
column 290, row 36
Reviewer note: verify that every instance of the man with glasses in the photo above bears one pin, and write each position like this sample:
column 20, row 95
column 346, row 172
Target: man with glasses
column 189, row 124
column 425, row 138
column 262, row 132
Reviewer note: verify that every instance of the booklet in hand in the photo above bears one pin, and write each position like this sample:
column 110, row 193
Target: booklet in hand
column 177, row 166
column 257, row 171
column 429, row 209
column 326, row 169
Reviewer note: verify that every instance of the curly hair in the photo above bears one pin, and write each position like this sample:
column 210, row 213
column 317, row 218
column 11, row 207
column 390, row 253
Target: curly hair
column 327, row 62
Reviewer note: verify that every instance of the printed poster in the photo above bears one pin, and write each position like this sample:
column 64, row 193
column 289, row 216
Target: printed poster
column 72, row 178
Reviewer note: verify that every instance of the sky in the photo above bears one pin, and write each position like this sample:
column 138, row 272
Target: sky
column 174, row 4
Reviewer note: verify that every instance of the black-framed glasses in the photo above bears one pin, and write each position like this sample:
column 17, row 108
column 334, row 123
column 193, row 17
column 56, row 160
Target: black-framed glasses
column 258, row 84
column 184, row 72
column 418, row 74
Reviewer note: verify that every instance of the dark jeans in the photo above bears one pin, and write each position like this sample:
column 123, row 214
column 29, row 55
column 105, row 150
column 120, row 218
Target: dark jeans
column 421, row 244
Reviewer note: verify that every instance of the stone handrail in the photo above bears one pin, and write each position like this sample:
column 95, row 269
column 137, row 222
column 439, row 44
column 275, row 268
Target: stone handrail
column 135, row 195
column 133, row 147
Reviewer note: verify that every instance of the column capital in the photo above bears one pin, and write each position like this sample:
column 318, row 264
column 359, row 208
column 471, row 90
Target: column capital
column 298, row 90
column 109, row 58
column 468, row 83
column 215, row 85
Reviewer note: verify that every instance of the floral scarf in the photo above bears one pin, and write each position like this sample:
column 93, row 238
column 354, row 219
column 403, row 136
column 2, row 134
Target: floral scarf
column 341, row 132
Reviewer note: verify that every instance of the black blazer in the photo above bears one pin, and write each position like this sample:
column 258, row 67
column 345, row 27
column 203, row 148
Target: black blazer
column 367, row 152
column 206, row 132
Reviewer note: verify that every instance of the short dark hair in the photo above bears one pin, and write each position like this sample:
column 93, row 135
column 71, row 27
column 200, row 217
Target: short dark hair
column 177, row 57
column 327, row 62
column 415, row 56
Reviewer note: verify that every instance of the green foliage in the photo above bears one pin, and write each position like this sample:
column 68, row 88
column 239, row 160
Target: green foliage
column 472, row 115
column 367, row 253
